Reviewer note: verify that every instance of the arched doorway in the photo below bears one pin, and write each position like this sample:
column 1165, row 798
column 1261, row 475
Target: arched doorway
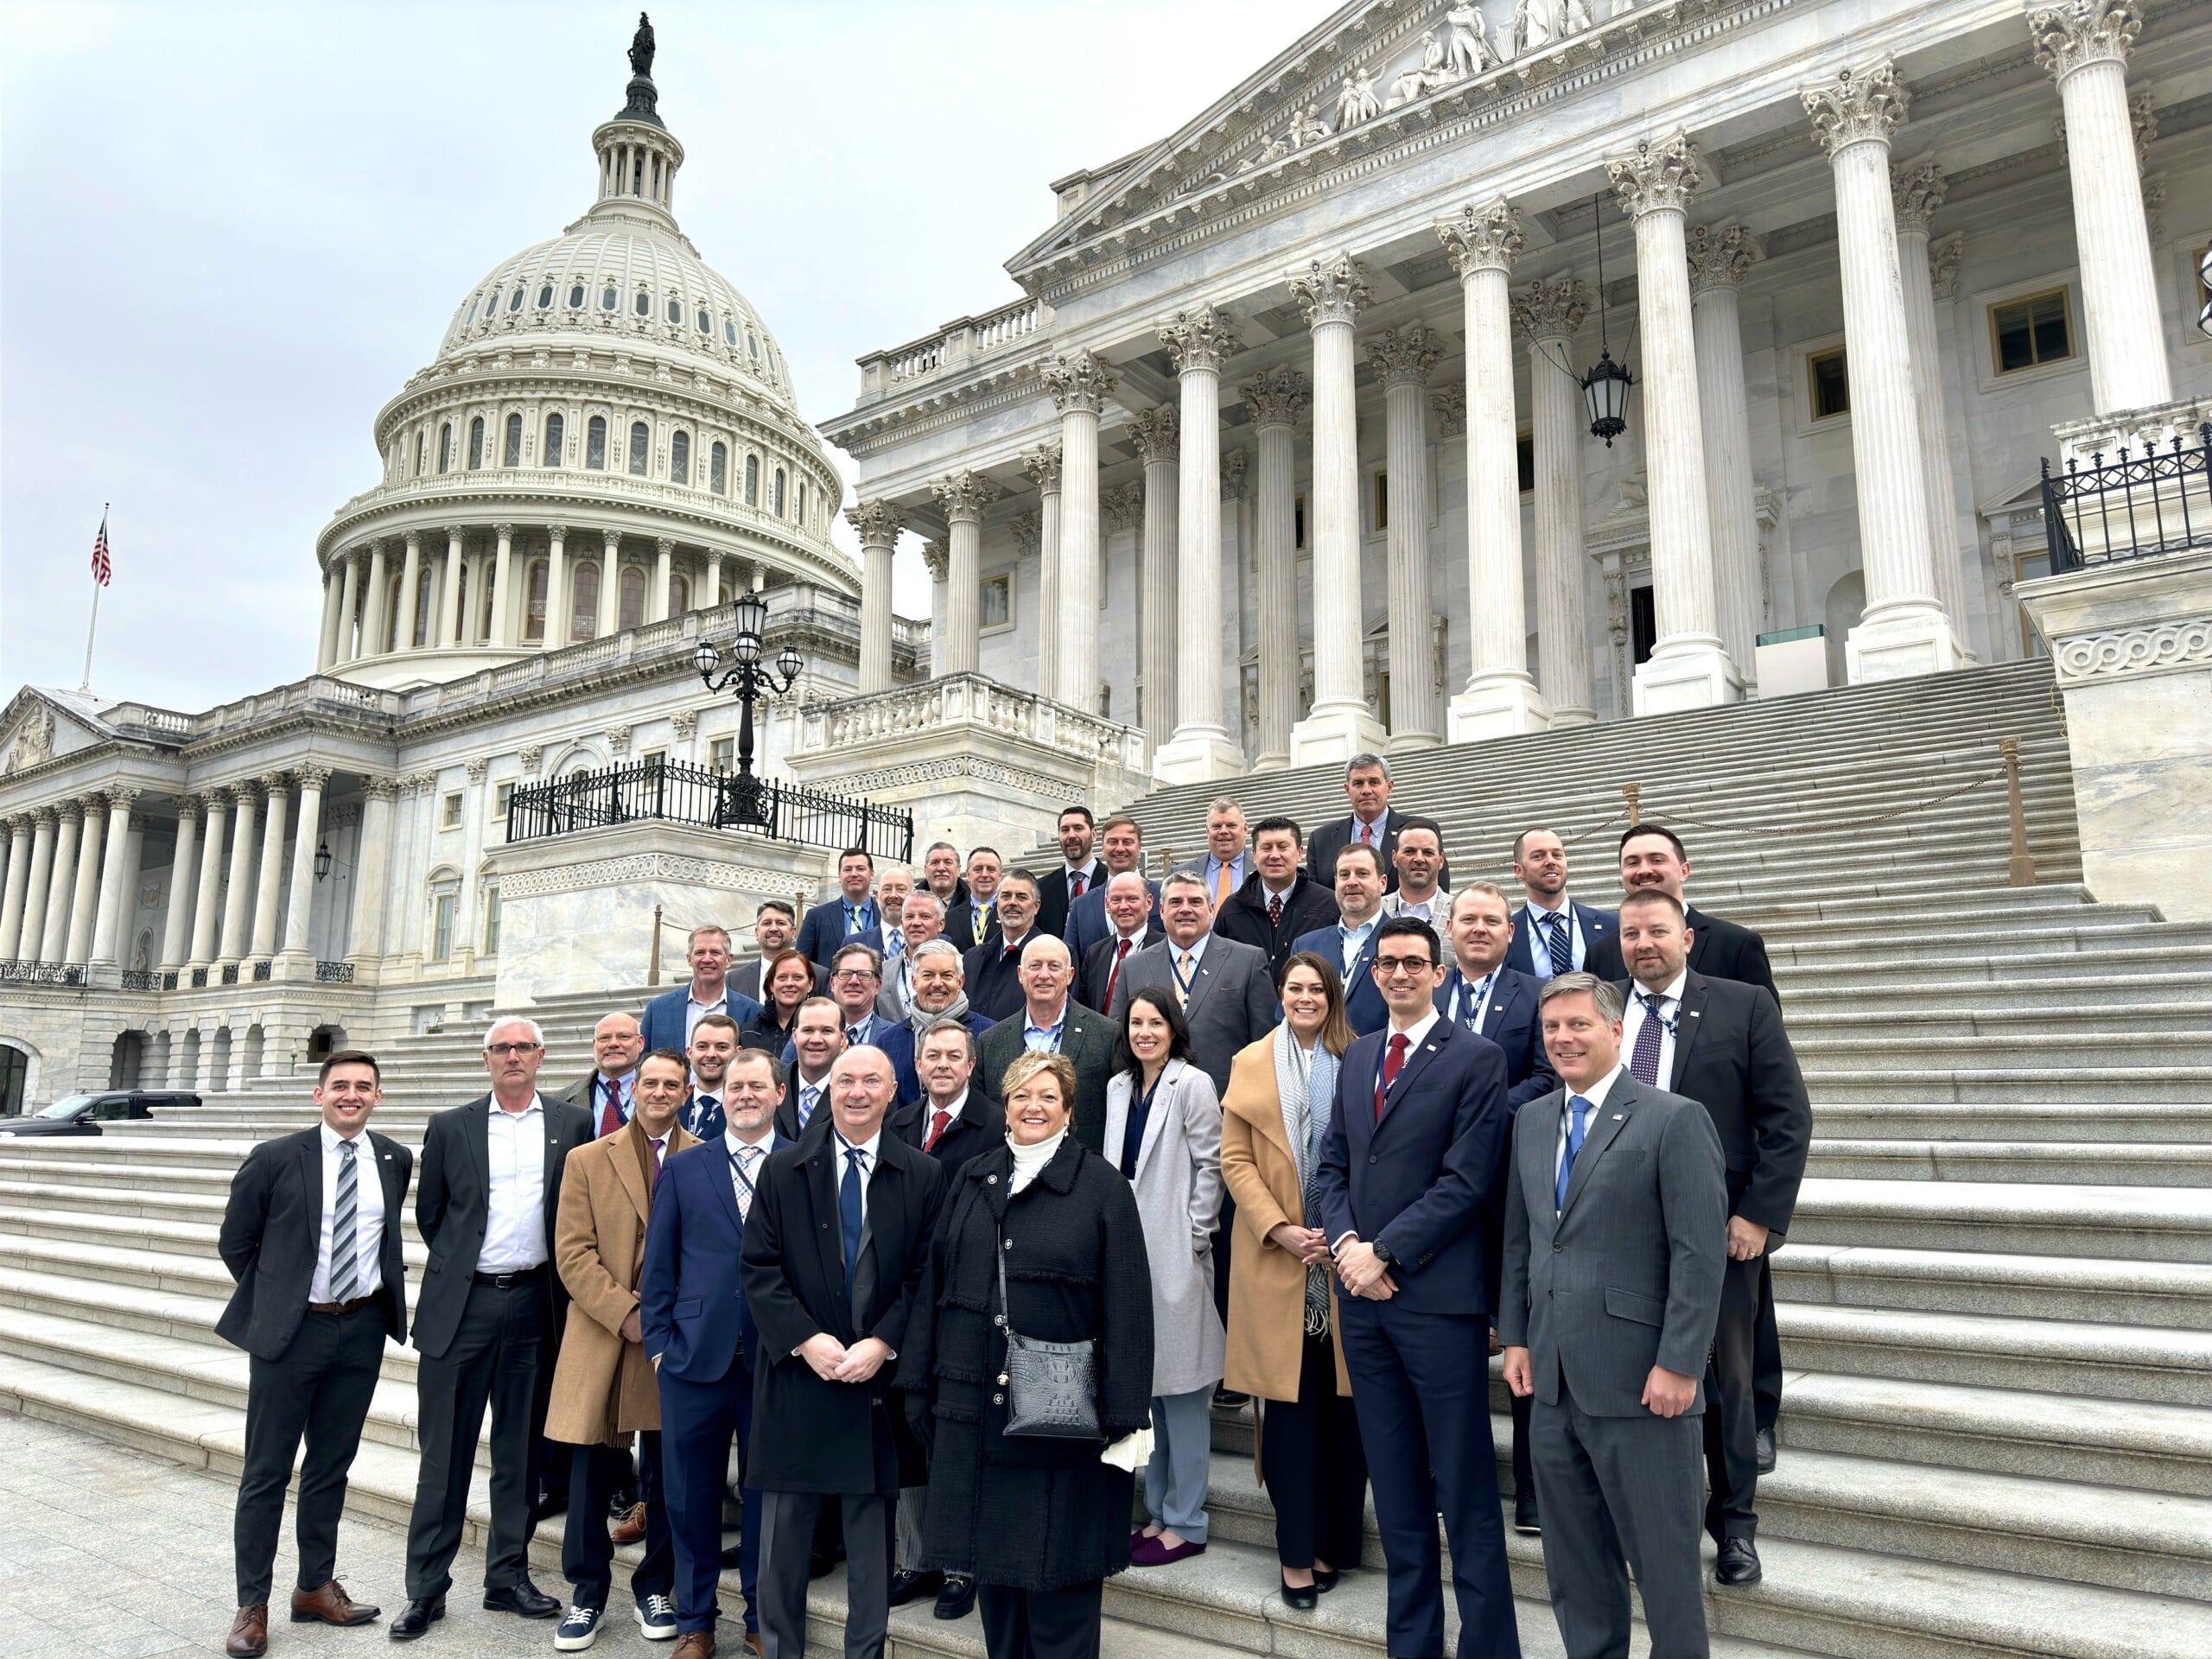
column 323, row 1042
column 15, row 1077
column 1845, row 604
column 126, row 1064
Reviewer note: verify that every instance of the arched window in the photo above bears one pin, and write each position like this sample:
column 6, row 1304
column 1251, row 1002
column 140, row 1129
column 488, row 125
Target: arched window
column 679, row 458
column 753, row 481
column 639, row 442
column 675, row 310
column 595, row 443
column 475, row 443
column 609, row 299
column 644, row 306
column 729, row 332
column 776, row 501
column 718, row 468
column 421, row 451
column 557, row 434
column 514, row 301
column 753, row 345
column 706, row 323
column 679, row 593
column 584, row 603
column 512, row 454
column 445, row 446
column 425, row 594
column 801, row 514
column 545, row 297
column 533, row 626
column 633, row 613
column 575, row 297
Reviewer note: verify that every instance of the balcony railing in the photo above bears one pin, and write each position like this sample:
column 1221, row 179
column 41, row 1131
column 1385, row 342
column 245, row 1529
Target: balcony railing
column 2157, row 500
column 674, row 792
column 333, row 973
column 42, row 973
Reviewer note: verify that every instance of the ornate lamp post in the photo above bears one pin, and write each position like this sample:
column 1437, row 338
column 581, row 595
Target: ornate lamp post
column 747, row 677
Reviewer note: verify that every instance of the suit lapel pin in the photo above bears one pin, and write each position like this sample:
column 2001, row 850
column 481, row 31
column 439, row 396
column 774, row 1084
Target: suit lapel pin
column 1617, row 1117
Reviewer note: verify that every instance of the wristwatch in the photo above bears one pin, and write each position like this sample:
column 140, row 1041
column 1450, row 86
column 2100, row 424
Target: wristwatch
column 1383, row 1255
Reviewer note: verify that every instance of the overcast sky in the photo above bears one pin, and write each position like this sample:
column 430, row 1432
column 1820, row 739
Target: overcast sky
column 228, row 233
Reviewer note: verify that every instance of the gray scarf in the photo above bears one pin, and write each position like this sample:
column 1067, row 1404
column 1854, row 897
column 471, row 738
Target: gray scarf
column 917, row 1022
column 1308, row 1090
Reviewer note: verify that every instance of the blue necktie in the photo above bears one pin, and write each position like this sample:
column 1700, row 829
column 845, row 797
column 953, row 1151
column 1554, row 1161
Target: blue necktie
column 1579, row 1107
column 807, row 1097
column 1561, row 947
column 848, row 1212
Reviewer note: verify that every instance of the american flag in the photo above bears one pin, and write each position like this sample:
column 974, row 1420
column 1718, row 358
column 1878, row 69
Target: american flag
column 102, row 569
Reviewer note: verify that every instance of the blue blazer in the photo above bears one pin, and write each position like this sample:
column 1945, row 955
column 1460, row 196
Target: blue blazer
column 1418, row 1181
column 1510, row 1021
column 824, row 931
column 691, row 1299
column 1363, row 1003
column 895, row 1039
column 662, row 1023
column 1527, row 953
column 1088, row 924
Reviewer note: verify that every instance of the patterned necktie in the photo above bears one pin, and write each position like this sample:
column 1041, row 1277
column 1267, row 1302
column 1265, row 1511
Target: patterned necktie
column 1556, row 941
column 1581, row 1108
column 938, row 1124
column 807, row 1096
column 1643, row 1063
column 852, row 920
column 345, row 1264
column 854, row 1034
column 1183, row 980
column 1274, row 910
column 848, row 1211
column 1121, row 956
column 895, row 942
column 610, row 1116
column 1366, row 833
column 741, row 1165
column 703, row 1113
column 1075, row 885
column 1393, row 1063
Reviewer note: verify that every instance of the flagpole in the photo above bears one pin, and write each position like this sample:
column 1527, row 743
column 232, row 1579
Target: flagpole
column 93, row 631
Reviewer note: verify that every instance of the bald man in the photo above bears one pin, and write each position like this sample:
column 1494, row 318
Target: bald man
column 616, row 1045
column 1050, row 1019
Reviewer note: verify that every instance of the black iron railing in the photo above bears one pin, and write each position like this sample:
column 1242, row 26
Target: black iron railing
column 674, row 792
column 333, row 973
column 42, row 973
column 2135, row 507
column 141, row 979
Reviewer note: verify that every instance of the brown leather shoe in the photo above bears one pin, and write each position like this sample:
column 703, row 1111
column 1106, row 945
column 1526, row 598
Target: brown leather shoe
column 249, row 1633
column 695, row 1644
column 753, row 1641
column 630, row 1528
column 330, row 1605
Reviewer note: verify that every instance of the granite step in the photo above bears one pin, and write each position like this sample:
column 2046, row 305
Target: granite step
column 2094, row 1290
column 2046, row 1162
column 2179, row 1085
column 2078, row 1360
column 2157, row 1225
column 2116, row 1123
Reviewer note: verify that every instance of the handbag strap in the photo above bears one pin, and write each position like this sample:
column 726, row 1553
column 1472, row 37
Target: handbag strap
column 1006, row 1308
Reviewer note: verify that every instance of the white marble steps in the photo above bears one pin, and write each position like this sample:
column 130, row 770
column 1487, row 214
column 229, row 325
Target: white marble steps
column 2079, row 1361
column 2156, row 1224
column 2122, row 1291
column 2069, row 1120
column 2047, row 1162
column 1848, row 1084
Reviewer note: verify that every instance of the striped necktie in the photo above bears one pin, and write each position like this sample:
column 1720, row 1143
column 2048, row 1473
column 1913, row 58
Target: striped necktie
column 1183, row 966
column 345, row 1264
column 1556, row 941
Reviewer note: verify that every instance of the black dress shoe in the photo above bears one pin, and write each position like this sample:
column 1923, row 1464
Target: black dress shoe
column 1325, row 1582
column 1524, row 1515
column 415, row 1618
column 1739, row 1561
column 1302, row 1597
column 523, row 1599
column 1764, row 1443
column 730, row 1559
column 822, row 1562
column 1230, row 1398
column 907, row 1587
column 957, row 1599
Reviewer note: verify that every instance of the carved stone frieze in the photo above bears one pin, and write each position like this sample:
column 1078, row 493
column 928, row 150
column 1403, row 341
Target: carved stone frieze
column 2151, row 648
column 1859, row 106
column 638, row 869
column 1720, row 254
column 1656, row 177
column 1482, row 238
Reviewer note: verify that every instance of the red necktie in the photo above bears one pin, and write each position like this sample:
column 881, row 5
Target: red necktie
column 1393, row 1063
column 937, row 1125
column 1121, row 956
column 1075, row 891
column 610, row 1119
column 1366, row 834
column 1275, row 911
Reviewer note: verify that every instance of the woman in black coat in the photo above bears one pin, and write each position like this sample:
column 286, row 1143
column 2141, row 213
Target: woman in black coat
column 1038, row 1524
column 786, row 980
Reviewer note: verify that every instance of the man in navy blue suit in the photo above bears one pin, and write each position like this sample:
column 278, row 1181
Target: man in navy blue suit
column 1416, row 1145
column 1121, row 845
column 1552, row 933
column 852, row 918
column 1349, row 941
column 700, row 1335
column 668, row 1019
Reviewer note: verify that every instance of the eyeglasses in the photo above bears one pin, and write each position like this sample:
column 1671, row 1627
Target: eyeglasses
column 511, row 1051
column 1389, row 965
column 852, row 973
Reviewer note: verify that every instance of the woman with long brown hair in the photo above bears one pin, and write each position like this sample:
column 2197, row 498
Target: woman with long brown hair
column 786, row 980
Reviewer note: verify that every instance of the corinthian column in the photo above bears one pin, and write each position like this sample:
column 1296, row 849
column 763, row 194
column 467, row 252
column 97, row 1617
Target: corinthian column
column 877, row 524
column 326, row 644
column 964, row 496
column 1042, row 464
column 117, row 877
column 411, row 582
column 1402, row 358
column 238, row 896
column 31, row 934
column 1548, row 313
column 85, row 896
column 60, row 886
column 348, row 644
column 376, row 608
column 1078, row 383
column 176, row 923
column 1903, row 630
column 1917, row 190
column 1157, row 432
column 1340, row 724
column 555, row 634
column 1689, row 666
column 21, row 837
column 664, row 595
column 939, row 562
column 300, row 908
column 206, row 891
column 504, row 611
column 1276, row 399
column 372, row 873
column 268, row 890
column 610, row 586
column 1199, row 341
column 1719, row 255
column 2084, row 44
column 449, row 590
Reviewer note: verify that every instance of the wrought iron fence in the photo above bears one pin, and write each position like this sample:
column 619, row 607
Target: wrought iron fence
column 42, row 973
column 333, row 973
column 141, row 979
column 2136, row 507
column 677, row 792
column 260, row 972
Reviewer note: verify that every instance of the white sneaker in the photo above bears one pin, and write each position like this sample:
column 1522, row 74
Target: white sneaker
column 657, row 1618
column 578, row 1630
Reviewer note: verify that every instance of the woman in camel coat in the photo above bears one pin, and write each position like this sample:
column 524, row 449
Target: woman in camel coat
column 1282, row 1345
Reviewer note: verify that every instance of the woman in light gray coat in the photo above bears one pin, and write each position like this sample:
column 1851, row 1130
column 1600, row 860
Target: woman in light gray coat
column 1163, row 1132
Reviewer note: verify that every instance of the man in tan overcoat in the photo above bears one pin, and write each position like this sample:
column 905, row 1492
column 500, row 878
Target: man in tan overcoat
column 603, row 1387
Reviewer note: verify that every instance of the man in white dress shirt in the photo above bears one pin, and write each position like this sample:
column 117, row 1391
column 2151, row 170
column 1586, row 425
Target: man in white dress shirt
column 1420, row 863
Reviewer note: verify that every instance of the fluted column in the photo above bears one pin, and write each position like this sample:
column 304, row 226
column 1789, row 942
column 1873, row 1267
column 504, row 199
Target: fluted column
column 1547, row 314
column 557, row 586
column 60, row 886
column 939, row 561
column 964, row 496
column 176, row 923
column 663, row 594
column 38, row 888
column 85, row 885
column 1903, row 630
column 449, row 589
column 372, row 873
column 1402, row 358
column 22, row 834
column 610, row 587
column 505, row 613
column 1275, row 400
column 714, row 590
column 411, row 583
column 375, row 607
column 2085, row 45
column 117, row 877
column 207, row 891
column 1339, row 725
column 237, row 895
column 348, row 646
column 1079, row 383
column 878, row 523
column 1719, row 255
column 1042, row 464
column 1689, row 666
column 1158, row 436
column 1917, row 190
column 1202, row 746
column 299, row 909
column 269, row 888
column 326, row 646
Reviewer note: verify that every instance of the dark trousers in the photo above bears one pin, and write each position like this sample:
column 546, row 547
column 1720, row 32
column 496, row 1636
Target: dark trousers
column 319, row 1388
column 1421, row 1384
column 1766, row 1353
column 697, row 1421
column 587, row 1552
column 1731, row 1413
column 787, row 1559
column 1225, row 1234
column 1524, row 1462
column 493, row 1358
column 1040, row 1623
column 1316, row 1467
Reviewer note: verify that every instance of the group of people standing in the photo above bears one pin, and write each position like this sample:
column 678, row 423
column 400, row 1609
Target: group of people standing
column 979, row 1190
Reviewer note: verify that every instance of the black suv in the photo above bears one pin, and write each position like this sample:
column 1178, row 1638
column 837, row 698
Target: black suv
column 84, row 1114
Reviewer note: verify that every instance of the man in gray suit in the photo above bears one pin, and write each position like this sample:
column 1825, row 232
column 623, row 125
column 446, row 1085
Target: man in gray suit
column 1616, row 1240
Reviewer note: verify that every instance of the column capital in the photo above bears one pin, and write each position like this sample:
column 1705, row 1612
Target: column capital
column 938, row 557
column 70, row 810
column 1449, row 405
column 1484, row 237
column 532, row 756
column 414, row 541
column 1917, row 190
column 1277, row 397
column 685, row 723
column 1720, row 254
column 504, row 532
column 121, row 796
column 277, row 784
column 2081, row 32
column 187, row 806
column 482, row 764
column 39, row 815
column 1552, row 308
column 964, row 495
column 1656, row 177
column 1859, row 106
column 1943, row 265
column 614, row 541
column 1028, row 528
column 665, row 546
column 1199, row 339
column 381, row 788
column 1330, row 290
column 1158, row 433
column 1042, row 464
column 313, row 777
column 1404, row 356
column 454, row 533
column 1077, row 380
column 1233, row 463
column 556, row 531
column 878, row 523
column 1120, row 508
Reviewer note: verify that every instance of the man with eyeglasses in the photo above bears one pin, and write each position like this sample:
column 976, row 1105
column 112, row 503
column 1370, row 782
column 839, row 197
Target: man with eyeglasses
column 486, row 1202
column 616, row 1042
column 1412, row 1150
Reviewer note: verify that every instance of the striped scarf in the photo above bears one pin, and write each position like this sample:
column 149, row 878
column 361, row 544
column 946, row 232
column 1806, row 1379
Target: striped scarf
column 1307, row 1086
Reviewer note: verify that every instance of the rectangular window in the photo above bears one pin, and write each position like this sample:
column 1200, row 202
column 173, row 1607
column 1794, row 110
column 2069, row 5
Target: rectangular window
column 441, row 917
column 502, row 797
column 655, row 758
column 721, row 755
column 450, row 817
column 2024, row 333
column 1298, row 523
column 997, row 602
column 491, row 921
column 2199, row 263
column 1828, row 382
column 1525, row 462
column 1382, row 502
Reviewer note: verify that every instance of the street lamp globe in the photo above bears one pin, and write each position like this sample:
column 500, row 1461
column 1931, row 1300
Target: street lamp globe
column 706, row 659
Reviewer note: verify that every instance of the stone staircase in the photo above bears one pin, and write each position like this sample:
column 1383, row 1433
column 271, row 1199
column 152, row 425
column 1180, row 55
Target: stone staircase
column 1996, row 1303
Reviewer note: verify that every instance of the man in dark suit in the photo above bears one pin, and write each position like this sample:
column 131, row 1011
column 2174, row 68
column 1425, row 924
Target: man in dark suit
column 701, row 1337
column 616, row 1044
column 832, row 1261
column 1050, row 1019
column 715, row 1043
column 1129, row 905
column 1368, row 787
column 1121, row 846
column 1223, row 986
column 1226, row 864
column 993, row 968
column 1413, row 1148
column 311, row 1235
column 775, row 924
column 485, row 1321
column 1349, row 943
column 921, row 918
column 817, row 1039
column 1552, row 933
column 941, row 874
column 1079, row 872
column 1281, row 901
column 853, row 917
column 1653, row 859
column 1721, row 1043
column 1615, row 1207
column 970, row 920
column 668, row 1019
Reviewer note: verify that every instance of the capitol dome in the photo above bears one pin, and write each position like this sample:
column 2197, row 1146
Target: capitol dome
column 607, row 438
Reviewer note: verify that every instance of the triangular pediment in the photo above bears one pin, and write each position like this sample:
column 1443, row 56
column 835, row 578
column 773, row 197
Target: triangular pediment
column 38, row 727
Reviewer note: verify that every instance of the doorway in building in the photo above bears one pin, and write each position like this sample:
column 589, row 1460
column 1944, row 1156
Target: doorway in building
column 1643, row 625
column 126, row 1064
column 15, row 1079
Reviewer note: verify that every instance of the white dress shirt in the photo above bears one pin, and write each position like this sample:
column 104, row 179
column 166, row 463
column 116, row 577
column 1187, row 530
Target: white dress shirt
column 953, row 1108
column 1670, row 1012
column 1481, row 990
column 368, row 1215
column 820, row 1088
column 695, row 1011
column 1431, row 910
column 1595, row 1094
column 748, row 1155
column 1538, row 934
column 514, row 1216
column 868, row 1149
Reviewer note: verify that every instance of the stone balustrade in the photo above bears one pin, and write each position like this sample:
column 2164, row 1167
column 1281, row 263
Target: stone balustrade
column 955, row 345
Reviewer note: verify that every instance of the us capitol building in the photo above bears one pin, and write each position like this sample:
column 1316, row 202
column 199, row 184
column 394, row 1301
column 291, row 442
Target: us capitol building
column 1285, row 451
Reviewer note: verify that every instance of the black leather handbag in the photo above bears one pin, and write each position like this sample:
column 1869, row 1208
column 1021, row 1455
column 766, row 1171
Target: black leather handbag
column 1051, row 1388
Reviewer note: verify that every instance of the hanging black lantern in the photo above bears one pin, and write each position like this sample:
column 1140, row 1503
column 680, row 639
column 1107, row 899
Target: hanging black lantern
column 322, row 860
column 1604, row 389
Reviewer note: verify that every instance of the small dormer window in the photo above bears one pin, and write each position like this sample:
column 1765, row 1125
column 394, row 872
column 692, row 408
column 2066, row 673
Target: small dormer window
column 676, row 310
column 610, row 298
column 644, row 306
column 730, row 333
column 753, row 345
column 545, row 297
column 514, row 301
column 576, row 297
column 492, row 306
column 706, row 323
